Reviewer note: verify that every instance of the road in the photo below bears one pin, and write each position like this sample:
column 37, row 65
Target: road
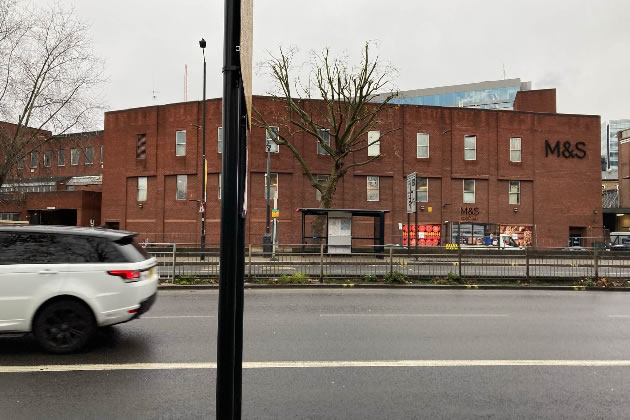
column 348, row 354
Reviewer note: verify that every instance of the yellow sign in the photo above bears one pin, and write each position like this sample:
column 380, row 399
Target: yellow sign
column 430, row 209
column 451, row 246
column 275, row 213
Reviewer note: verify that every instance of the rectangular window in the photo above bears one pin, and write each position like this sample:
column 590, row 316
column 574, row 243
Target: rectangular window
column 180, row 143
column 271, row 145
column 219, row 186
column 422, row 145
column 102, row 153
column 273, row 188
column 469, row 191
column 34, row 159
column 89, row 155
column 47, row 158
column 182, row 182
column 220, row 140
column 61, row 157
column 325, row 135
column 374, row 143
column 422, row 195
column 20, row 163
column 515, row 149
column 470, row 147
column 74, row 157
column 13, row 217
column 142, row 188
column 322, row 179
column 141, row 146
column 515, row 192
column 372, row 188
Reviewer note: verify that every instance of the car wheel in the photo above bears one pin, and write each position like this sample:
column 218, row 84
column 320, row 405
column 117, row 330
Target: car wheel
column 64, row 326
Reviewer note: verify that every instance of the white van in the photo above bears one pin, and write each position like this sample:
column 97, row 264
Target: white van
column 61, row 283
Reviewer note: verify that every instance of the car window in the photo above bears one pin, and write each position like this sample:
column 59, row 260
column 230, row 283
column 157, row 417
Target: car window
column 131, row 250
column 76, row 249
column 26, row 248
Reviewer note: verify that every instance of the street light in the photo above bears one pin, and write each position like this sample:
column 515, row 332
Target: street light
column 204, row 164
column 268, row 183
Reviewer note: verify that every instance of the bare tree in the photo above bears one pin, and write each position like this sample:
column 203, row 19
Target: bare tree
column 335, row 105
column 49, row 79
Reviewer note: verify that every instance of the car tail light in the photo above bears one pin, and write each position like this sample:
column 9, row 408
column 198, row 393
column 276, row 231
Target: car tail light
column 127, row 275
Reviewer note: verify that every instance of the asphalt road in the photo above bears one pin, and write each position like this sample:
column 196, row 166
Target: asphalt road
column 353, row 354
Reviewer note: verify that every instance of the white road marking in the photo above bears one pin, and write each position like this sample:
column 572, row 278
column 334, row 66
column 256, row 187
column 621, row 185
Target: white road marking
column 177, row 316
column 418, row 315
column 320, row 364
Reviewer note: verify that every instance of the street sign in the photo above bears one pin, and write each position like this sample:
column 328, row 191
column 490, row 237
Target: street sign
column 201, row 208
column 275, row 213
column 411, row 193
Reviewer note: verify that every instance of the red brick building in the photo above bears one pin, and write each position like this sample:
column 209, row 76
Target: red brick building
column 58, row 183
column 530, row 172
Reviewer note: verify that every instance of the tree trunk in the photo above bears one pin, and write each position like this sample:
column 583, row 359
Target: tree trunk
column 317, row 225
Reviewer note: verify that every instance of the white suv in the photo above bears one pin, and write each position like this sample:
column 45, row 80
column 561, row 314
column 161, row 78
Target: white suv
column 61, row 283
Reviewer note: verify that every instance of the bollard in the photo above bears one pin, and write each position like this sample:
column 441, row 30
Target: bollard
column 249, row 263
column 174, row 260
column 391, row 260
column 527, row 264
column 321, row 262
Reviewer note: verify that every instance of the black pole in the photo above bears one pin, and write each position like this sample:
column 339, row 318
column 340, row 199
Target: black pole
column 203, row 162
column 268, row 184
column 240, row 249
column 230, row 217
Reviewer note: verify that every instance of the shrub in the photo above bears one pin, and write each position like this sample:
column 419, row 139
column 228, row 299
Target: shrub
column 370, row 278
column 297, row 278
column 395, row 277
column 454, row 277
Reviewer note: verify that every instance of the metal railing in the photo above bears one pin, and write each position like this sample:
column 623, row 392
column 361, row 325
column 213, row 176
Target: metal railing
column 430, row 263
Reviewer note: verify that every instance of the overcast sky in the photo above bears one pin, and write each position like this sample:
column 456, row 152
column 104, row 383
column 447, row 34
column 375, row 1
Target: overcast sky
column 579, row 47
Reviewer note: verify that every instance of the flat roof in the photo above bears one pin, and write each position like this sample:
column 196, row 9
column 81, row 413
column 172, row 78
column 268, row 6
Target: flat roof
column 355, row 212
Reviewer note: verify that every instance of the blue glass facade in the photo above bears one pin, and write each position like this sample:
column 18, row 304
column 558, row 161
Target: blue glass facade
column 610, row 146
column 495, row 98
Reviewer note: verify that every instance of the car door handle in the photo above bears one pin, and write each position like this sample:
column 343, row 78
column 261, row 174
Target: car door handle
column 48, row 272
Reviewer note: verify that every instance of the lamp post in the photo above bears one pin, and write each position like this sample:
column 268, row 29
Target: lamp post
column 268, row 184
column 202, row 44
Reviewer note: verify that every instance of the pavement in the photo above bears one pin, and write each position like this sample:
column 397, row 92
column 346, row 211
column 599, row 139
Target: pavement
column 344, row 353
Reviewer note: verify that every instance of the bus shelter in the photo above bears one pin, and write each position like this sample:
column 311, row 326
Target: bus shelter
column 338, row 235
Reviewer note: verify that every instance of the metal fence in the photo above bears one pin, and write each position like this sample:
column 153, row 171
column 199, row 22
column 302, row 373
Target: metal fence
column 313, row 262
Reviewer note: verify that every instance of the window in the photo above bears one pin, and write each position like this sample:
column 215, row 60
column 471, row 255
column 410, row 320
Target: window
column 273, row 187
column 515, row 192
column 61, row 157
column 20, row 163
column 182, row 181
column 34, row 159
column 74, row 157
column 374, row 144
column 47, row 158
column 325, row 135
column 102, row 153
column 470, row 147
column 89, row 155
column 270, row 144
column 372, row 188
column 141, row 146
column 469, row 191
column 422, row 144
column 422, row 194
column 142, row 188
column 515, row 149
column 322, row 179
column 180, row 143
column 220, row 140
column 219, row 186
column 13, row 217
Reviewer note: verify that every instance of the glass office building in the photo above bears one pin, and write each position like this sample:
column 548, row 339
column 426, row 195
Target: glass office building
column 610, row 146
column 497, row 94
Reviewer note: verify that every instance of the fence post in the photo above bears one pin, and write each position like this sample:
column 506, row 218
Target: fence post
column 249, row 263
column 391, row 260
column 174, row 261
column 527, row 264
column 596, row 263
column 321, row 262
column 459, row 259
